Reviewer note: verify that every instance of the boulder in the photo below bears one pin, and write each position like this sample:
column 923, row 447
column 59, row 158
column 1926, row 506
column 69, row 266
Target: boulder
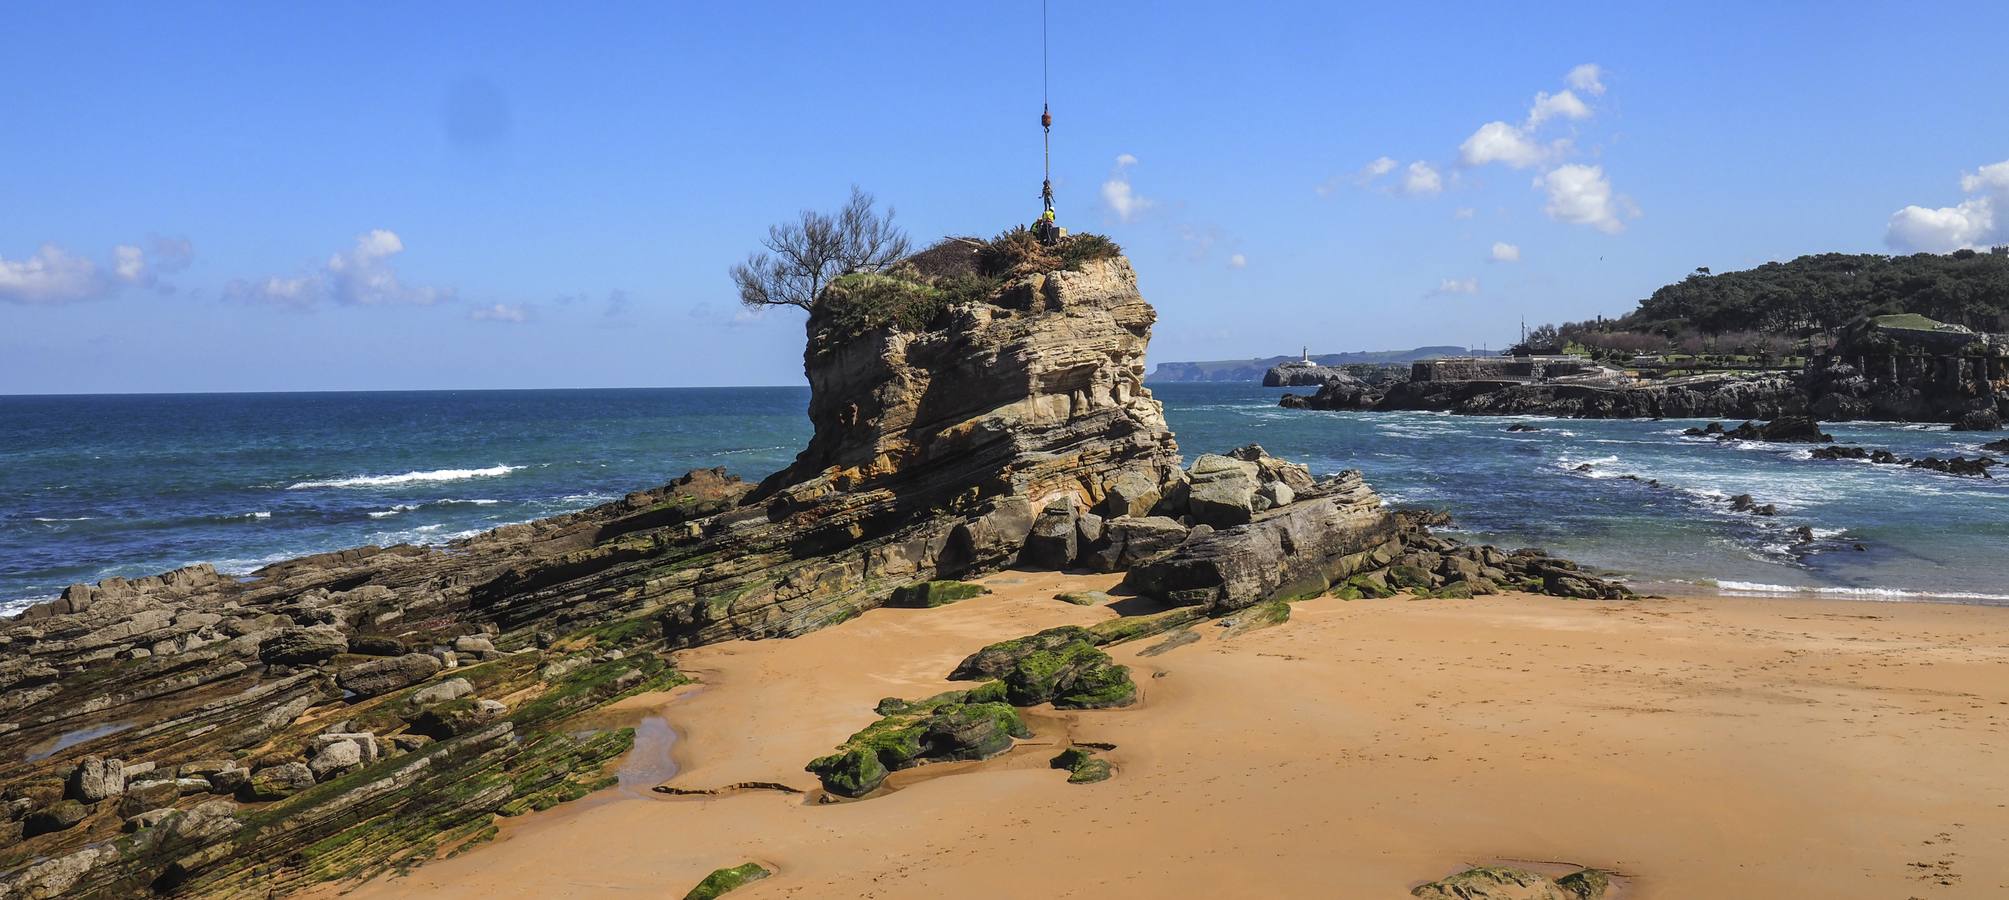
column 474, row 645
column 1296, row 551
column 336, row 758
column 450, row 689
column 278, row 782
column 364, row 740
column 1087, row 531
column 994, row 538
column 303, row 646
column 58, row 816
column 456, row 717
column 942, row 728
column 1127, row 542
column 142, row 796
column 1223, row 491
column 95, row 779
column 1131, row 493
column 379, row 676
column 930, row 594
column 1053, row 541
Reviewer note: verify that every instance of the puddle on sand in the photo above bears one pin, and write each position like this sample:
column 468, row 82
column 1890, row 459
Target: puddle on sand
column 69, row 739
column 649, row 763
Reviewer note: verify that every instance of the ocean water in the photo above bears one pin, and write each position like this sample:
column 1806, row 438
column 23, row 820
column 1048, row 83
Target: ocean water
column 96, row 486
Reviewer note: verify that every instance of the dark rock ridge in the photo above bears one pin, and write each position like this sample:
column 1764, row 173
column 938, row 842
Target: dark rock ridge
column 1786, row 429
column 343, row 713
column 1876, row 371
column 1958, row 465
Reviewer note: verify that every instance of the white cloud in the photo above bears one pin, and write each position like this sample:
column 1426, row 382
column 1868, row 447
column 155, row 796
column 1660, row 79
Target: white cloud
column 361, row 277
column 500, row 312
column 1588, row 78
column 1457, row 286
column 1502, row 143
column 1505, row 252
column 1464, row 213
column 1945, row 229
column 1421, row 179
column 1582, row 195
column 51, row 277
column 129, row 262
column 1994, row 177
column 1564, row 105
column 1238, row 261
column 1970, row 224
column 1117, row 193
column 54, row 276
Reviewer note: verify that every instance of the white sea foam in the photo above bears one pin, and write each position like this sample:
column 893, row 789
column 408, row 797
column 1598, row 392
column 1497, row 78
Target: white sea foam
column 248, row 565
column 394, row 510
column 495, row 471
column 59, row 519
column 261, row 514
column 1865, row 593
column 449, row 501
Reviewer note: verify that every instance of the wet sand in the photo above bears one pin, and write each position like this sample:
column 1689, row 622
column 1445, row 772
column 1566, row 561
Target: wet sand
column 1703, row 747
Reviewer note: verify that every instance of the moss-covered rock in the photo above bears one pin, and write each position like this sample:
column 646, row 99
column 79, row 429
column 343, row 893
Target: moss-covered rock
column 1586, row 884
column 1083, row 598
column 995, row 660
column 1076, row 675
column 1083, row 766
column 930, row 594
column 943, row 727
column 1371, row 585
column 724, row 880
column 1267, row 614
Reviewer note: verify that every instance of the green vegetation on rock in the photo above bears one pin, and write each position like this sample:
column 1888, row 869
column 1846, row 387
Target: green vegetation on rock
column 724, row 880
column 1083, row 766
column 943, row 727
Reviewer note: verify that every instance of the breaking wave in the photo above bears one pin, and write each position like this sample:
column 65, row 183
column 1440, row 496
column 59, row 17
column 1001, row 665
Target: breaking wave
column 495, row 471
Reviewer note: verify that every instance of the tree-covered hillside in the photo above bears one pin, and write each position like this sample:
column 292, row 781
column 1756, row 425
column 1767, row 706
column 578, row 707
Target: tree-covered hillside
column 1777, row 305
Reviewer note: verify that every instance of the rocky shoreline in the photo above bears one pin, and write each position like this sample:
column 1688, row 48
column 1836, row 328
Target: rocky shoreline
column 349, row 713
column 1872, row 374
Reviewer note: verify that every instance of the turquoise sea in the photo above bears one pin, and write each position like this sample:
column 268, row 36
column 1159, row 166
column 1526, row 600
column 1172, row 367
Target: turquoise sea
column 96, row 486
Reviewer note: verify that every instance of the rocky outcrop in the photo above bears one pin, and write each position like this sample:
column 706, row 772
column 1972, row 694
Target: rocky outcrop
column 1786, row 429
column 1508, row 883
column 1301, row 374
column 1959, row 465
column 335, row 696
column 1296, row 550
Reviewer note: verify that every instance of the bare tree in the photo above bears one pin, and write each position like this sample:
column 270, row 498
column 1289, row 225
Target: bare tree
column 803, row 256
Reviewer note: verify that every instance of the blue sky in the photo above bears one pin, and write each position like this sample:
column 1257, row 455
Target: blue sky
column 379, row 196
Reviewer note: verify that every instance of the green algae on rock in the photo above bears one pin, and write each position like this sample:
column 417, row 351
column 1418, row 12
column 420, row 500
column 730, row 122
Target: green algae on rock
column 942, row 728
column 722, row 880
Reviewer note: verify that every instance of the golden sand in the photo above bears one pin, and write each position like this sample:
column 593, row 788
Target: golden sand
column 1702, row 747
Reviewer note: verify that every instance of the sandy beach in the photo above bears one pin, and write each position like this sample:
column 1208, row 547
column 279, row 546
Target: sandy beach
column 1702, row 747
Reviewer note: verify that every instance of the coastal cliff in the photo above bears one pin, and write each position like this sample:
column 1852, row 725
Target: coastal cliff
column 346, row 713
